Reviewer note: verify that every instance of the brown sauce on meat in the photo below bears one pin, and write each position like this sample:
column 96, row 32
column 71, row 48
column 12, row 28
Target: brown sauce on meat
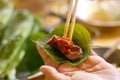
column 72, row 52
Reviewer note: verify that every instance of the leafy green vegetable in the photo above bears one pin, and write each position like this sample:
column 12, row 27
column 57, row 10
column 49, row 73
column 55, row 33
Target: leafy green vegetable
column 14, row 36
column 17, row 30
column 6, row 11
column 81, row 37
column 32, row 60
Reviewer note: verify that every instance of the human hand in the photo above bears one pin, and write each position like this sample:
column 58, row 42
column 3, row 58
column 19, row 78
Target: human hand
column 94, row 68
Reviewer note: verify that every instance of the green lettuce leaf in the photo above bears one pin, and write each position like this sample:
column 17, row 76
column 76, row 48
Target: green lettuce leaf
column 81, row 37
column 6, row 11
column 12, row 42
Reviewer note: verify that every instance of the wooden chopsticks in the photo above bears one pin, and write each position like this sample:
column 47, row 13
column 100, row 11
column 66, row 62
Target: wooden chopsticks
column 65, row 34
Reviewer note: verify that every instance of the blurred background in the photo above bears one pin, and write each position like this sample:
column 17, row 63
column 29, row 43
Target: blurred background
column 23, row 21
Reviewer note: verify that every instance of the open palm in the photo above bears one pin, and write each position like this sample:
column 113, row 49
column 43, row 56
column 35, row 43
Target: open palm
column 94, row 68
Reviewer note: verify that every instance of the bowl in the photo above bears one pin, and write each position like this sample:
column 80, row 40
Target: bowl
column 100, row 13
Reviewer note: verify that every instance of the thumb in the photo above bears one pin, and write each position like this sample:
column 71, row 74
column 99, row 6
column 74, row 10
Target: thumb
column 52, row 74
column 42, row 53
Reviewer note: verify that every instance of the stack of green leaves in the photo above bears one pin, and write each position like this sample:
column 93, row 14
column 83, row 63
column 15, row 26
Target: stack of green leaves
column 16, row 30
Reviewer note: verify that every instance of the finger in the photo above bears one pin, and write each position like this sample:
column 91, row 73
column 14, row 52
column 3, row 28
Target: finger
column 52, row 74
column 42, row 53
column 51, row 62
column 47, row 60
column 82, row 75
column 69, row 73
column 67, row 68
column 93, row 52
column 91, row 62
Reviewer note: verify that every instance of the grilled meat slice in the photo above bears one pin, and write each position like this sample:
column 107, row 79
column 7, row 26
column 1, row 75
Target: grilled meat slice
column 71, row 52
